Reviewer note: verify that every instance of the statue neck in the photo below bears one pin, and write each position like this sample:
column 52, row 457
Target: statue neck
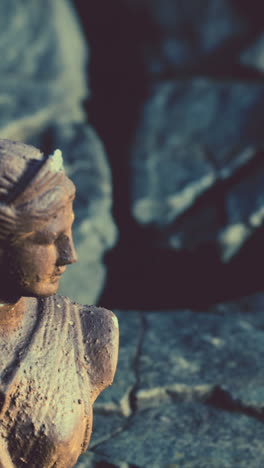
column 11, row 314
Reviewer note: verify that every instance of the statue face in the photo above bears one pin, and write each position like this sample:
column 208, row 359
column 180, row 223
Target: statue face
column 34, row 262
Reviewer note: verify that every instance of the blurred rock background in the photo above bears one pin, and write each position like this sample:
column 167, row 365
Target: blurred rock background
column 177, row 98
column 158, row 108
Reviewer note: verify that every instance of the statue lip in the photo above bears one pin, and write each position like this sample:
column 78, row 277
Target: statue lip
column 57, row 275
column 59, row 271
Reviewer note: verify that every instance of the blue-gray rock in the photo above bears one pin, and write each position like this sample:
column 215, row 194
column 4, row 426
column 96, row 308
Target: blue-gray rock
column 183, row 34
column 193, row 135
column 198, row 396
column 253, row 55
column 187, row 435
column 42, row 66
column 243, row 207
column 204, row 351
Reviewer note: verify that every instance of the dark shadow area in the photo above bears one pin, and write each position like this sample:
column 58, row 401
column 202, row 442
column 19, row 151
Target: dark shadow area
column 221, row 399
column 252, row 11
column 141, row 275
column 162, row 279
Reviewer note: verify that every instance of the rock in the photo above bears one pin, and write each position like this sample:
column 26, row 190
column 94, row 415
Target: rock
column 105, row 426
column 86, row 461
column 185, row 146
column 253, row 55
column 185, row 340
column 197, row 388
column 187, row 435
column 42, row 74
column 179, row 36
column 244, row 207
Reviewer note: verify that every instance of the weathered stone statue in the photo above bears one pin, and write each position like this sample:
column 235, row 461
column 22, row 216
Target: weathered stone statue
column 55, row 356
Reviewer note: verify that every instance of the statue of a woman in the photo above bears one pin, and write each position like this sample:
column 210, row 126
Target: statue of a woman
column 55, row 356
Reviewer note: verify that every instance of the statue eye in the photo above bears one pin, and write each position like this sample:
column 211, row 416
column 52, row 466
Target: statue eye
column 44, row 238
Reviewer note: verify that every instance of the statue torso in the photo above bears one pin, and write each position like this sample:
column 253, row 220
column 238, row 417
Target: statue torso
column 47, row 384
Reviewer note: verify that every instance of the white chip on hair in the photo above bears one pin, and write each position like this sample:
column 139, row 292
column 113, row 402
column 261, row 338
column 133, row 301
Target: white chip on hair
column 56, row 161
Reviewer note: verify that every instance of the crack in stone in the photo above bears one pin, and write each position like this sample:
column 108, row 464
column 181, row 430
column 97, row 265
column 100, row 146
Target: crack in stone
column 94, row 445
column 135, row 366
column 213, row 395
column 177, row 391
column 223, row 400
column 121, row 407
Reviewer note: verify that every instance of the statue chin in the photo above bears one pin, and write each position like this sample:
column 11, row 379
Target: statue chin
column 40, row 290
column 12, row 292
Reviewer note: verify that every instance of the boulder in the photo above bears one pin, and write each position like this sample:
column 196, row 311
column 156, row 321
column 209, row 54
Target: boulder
column 180, row 36
column 43, row 70
column 253, row 55
column 196, row 136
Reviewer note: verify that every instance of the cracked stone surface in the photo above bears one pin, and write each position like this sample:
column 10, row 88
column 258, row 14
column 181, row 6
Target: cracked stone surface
column 202, row 350
column 196, row 390
column 189, row 435
column 184, row 148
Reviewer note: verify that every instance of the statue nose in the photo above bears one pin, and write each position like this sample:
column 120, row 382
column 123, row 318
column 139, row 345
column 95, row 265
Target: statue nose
column 67, row 252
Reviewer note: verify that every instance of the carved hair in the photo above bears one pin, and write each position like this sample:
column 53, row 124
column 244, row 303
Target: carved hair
column 30, row 188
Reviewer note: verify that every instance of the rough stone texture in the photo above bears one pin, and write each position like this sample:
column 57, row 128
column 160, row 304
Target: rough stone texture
column 42, row 89
column 193, row 135
column 187, row 435
column 253, row 56
column 227, row 219
column 198, row 399
column 182, row 34
column 42, row 75
column 202, row 352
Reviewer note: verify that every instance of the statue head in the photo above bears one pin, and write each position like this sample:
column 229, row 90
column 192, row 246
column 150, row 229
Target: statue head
column 35, row 221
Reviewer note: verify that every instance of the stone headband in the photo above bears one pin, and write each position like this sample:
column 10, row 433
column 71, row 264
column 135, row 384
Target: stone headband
column 40, row 192
column 55, row 165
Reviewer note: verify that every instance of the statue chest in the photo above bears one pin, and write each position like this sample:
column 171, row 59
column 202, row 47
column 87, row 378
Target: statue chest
column 46, row 415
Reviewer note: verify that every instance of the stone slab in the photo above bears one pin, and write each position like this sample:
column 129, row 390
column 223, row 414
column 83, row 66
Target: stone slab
column 198, row 382
column 191, row 354
column 187, row 435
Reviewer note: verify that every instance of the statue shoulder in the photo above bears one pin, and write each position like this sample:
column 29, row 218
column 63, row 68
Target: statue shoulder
column 100, row 336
